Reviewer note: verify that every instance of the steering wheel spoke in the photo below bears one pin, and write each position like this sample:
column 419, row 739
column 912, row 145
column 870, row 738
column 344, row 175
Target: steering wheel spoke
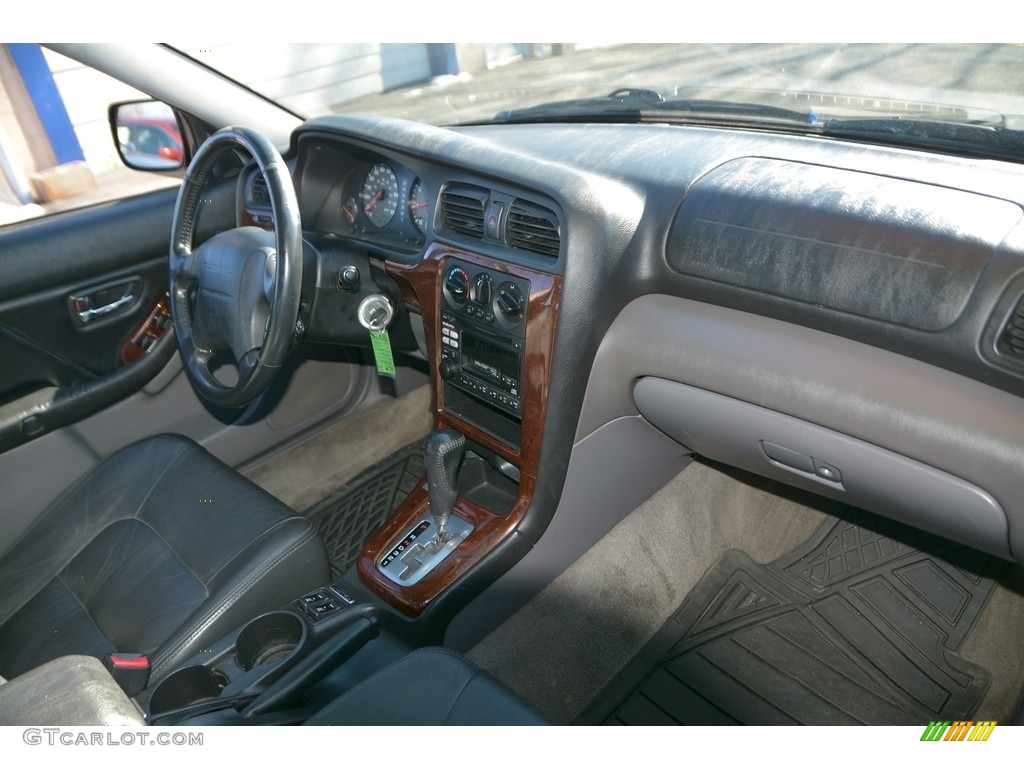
column 248, row 363
column 245, row 281
column 183, row 262
column 248, row 334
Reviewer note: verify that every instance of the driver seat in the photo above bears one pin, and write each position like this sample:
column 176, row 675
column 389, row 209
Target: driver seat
column 160, row 549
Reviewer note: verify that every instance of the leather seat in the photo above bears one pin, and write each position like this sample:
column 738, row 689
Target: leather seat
column 160, row 548
column 69, row 691
column 431, row 686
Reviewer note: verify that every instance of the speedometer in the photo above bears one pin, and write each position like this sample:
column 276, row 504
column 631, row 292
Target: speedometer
column 379, row 195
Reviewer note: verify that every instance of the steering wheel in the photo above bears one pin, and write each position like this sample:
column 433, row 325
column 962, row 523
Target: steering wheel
column 240, row 290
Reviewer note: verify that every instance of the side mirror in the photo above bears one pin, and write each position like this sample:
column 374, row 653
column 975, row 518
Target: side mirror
column 147, row 135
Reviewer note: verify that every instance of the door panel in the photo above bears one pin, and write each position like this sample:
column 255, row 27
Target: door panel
column 63, row 351
column 41, row 339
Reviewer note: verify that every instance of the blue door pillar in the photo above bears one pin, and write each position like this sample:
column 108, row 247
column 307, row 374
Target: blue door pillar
column 47, row 102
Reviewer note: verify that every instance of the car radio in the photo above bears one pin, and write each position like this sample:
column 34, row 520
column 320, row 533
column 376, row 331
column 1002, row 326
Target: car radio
column 488, row 366
column 482, row 334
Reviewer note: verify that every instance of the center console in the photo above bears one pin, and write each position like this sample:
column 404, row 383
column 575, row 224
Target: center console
column 489, row 327
column 268, row 667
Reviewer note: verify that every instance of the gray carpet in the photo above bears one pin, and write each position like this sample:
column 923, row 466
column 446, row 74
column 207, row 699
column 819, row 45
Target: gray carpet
column 311, row 471
column 601, row 612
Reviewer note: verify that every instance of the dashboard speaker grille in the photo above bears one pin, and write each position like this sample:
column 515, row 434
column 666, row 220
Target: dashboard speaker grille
column 532, row 228
column 462, row 209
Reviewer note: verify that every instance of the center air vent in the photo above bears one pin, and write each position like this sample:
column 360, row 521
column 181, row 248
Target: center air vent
column 1011, row 342
column 532, row 228
column 462, row 209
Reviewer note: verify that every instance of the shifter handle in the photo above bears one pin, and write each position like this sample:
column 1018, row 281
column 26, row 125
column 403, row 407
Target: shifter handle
column 442, row 452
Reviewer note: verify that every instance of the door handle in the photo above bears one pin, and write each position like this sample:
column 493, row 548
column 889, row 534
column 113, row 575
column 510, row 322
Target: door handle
column 87, row 315
column 92, row 304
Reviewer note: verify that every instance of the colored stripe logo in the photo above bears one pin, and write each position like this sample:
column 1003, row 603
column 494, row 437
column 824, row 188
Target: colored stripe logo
column 958, row 730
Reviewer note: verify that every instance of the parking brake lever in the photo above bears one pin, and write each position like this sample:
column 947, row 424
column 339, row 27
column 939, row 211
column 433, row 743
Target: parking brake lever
column 443, row 452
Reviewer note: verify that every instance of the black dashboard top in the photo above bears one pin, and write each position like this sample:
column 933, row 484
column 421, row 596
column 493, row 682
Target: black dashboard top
column 905, row 250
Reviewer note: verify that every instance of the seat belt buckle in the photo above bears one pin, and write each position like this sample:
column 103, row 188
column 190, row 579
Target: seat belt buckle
column 129, row 670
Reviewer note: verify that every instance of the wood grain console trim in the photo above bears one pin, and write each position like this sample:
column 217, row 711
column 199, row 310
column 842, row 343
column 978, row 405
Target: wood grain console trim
column 149, row 331
column 421, row 290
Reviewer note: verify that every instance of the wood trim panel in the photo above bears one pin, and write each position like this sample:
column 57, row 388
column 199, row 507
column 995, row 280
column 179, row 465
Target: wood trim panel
column 143, row 338
column 421, row 289
column 249, row 219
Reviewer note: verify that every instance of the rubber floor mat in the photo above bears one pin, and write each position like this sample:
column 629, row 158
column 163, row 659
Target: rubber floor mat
column 351, row 513
column 861, row 624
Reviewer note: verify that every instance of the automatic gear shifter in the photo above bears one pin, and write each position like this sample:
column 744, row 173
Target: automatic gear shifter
column 443, row 453
column 417, row 553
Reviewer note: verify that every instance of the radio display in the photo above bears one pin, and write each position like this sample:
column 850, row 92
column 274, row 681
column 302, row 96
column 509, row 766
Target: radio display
column 488, row 358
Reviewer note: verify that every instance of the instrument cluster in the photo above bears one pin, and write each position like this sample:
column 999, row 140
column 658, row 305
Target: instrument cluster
column 362, row 197
column 385, row 198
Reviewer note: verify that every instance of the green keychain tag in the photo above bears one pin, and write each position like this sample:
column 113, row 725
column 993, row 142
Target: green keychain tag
column 381, row 343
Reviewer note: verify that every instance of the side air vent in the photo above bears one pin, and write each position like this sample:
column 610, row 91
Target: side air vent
column 532, row 228
column 1011, row 341
column 462, row 209
column 260, row 195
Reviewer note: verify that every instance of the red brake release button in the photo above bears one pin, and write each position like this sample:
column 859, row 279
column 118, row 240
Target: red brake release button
column 129, row 660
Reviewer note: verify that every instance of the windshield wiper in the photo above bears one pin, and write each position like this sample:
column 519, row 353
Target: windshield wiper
column 983, row 138
column 642, row 105
column 944, row 131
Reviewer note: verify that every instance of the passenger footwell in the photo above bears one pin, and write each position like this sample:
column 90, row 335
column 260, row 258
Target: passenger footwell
column 862, row 623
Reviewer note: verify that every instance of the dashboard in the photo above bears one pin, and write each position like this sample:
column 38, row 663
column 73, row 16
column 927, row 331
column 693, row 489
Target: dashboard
column 845, row 318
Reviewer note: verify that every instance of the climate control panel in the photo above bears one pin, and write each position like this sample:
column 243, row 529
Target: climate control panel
column 485, row 296
column 482, row 333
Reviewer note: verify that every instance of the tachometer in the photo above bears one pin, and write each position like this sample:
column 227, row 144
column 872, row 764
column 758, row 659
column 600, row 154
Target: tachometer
column 418, row 206
column 379, row 195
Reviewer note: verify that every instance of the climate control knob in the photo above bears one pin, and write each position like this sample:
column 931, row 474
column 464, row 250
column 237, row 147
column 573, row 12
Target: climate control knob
column 482, row 289
column 456, row 286
column 510, row 302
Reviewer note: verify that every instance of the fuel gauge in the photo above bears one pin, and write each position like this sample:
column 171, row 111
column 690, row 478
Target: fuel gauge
column 350, row 209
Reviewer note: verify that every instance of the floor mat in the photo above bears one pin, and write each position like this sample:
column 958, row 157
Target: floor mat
column 860, row 624
column 351, row 513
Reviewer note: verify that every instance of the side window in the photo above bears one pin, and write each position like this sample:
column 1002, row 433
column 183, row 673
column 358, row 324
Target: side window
column 56, row 148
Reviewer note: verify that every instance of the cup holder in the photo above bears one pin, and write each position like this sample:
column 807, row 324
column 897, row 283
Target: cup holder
column 186, row 686
column 268, row 639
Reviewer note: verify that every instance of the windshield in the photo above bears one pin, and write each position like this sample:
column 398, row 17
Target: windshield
column 978, row 85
